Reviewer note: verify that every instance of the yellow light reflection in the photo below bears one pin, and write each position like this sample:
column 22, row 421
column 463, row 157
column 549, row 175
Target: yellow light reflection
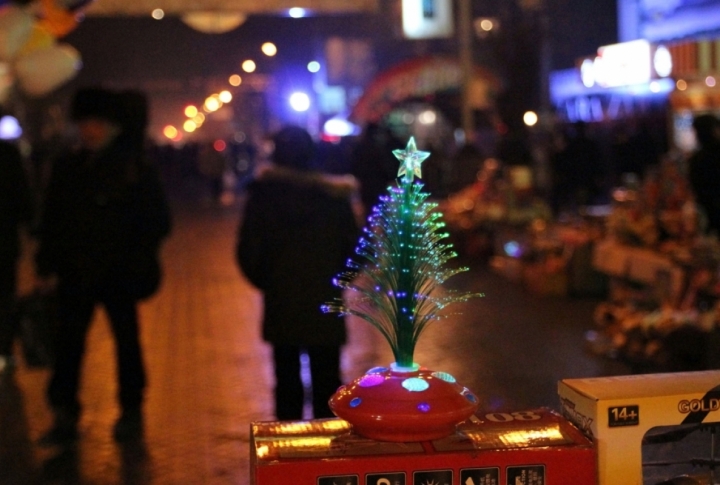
column 262, row 451
column 170, row 131
column 269, row 49
column 211, row 104
column 225, row 96
column 235, row 80
column 191, row 111
column 249, row 66
column 199, row 119
column 189, row 126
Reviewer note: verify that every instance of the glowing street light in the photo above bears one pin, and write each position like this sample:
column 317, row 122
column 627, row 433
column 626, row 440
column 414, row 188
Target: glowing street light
column 249, row 65
column 212, row 103
column 235, row 80
column 189, row 126
column 225, row 96
column 300, row 101
column 170, row 132
column 269, row 49
column 530, row 118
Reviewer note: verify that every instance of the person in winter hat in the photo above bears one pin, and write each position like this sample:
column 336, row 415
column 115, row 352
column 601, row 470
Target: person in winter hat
column 297, row 232
column 103, row 220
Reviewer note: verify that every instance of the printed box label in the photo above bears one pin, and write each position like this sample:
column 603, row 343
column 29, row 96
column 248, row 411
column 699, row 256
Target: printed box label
column 623, row 416
column 480, row 476
column 526, row 475
column 385, row 479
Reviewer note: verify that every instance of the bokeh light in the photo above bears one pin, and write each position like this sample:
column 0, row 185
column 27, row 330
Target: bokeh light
column 269, row 49
column 249, row 65
column 211, row 104
column 313, row 66
column 191, row 111
column 158, row 14
column 219, row 145
column 170, row 131
column 299, row 101
column 296, row 12
column 530, row 118
column 235, row 80
column 225, row 96
column 10, row 128
column 681, row 84
column 427, row 117
column 189, row 126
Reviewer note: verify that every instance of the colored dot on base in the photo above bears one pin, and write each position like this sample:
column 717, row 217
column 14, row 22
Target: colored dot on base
column 377, row 370
column 371, row 380
column 355, row 402
column 444, row 376
column 415, row 384
column 424, row 407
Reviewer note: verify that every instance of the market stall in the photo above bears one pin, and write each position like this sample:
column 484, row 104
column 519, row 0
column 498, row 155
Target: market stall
column 662, row 311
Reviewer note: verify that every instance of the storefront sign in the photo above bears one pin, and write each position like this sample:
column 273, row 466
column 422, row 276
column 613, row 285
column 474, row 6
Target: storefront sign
column 626, row 64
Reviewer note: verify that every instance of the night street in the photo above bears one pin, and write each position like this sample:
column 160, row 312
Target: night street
column 210, row 374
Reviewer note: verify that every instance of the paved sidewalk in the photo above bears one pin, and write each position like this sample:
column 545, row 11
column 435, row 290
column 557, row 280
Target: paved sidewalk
column 209, row 371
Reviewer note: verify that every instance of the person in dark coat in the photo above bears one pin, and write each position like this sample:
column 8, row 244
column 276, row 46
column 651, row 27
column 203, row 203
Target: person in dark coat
column 103, row 220
column 15, row 209
column 704, row 169
column 297, row 232
column 374, row 164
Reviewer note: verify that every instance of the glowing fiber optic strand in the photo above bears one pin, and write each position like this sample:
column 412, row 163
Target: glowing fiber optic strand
column 404, row 265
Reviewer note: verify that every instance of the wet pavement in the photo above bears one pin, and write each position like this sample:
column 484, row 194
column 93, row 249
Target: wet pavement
column 210, row 376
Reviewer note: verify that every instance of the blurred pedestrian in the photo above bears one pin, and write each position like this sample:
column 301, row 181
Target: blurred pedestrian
column 16, row 208
column 103, row 219
column 212, row 166
column 704, row 169
column 374, row 164
column 297, row 232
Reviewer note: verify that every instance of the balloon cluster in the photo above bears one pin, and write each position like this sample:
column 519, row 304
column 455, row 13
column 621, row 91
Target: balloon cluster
column 30, row 54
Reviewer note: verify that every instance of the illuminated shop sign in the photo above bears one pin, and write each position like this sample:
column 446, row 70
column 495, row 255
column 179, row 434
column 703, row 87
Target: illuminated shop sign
column 423, row 19
column 626, row 64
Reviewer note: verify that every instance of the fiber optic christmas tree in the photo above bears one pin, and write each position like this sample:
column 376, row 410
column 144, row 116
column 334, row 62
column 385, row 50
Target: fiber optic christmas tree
column 396, row 290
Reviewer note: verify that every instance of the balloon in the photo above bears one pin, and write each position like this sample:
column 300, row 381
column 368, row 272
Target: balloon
column 39, row 39
column 56, row 20
column 43, row 70
column 15, row 28
column 6, row 81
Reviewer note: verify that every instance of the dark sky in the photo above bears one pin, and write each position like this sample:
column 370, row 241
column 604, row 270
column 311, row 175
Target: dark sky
column 115, row 48
column 178, row 61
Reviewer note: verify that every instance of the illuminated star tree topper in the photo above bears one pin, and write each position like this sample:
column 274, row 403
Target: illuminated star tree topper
column 397, row 286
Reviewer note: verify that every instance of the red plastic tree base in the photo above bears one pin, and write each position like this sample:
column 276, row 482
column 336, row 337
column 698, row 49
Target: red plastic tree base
column 404, row 404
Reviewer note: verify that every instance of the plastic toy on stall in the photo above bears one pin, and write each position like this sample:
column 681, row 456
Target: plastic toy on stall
column 396, row 291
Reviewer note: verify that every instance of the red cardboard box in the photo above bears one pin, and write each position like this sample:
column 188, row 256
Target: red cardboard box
column 535, row 447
